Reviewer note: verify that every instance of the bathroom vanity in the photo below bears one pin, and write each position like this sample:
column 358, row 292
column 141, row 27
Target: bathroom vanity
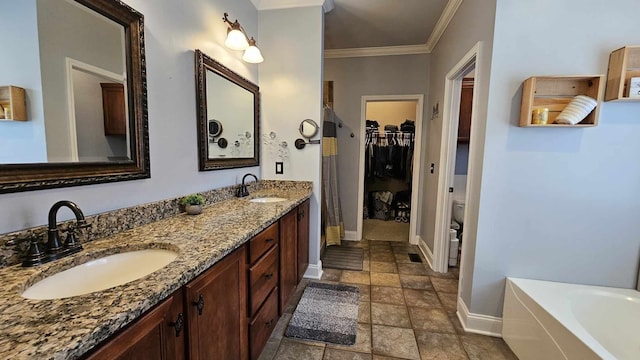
column 237, row 266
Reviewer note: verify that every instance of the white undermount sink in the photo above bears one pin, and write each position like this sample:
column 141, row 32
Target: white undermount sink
column 100, row 274
column 264, row 200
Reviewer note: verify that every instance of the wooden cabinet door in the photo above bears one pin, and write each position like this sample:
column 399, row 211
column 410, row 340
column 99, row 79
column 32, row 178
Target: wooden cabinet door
column 115, row 117
column 216, row 303
column 303, row 238
column 262, row 325
column 288, row 257
column 155, row 335
column 466, row 101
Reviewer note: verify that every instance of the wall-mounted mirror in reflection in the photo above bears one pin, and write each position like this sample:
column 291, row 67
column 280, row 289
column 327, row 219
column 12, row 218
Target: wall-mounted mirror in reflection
column 228, row 116
column 81, row 65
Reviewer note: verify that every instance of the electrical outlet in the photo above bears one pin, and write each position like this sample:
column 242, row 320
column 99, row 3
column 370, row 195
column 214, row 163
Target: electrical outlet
column 279, row 167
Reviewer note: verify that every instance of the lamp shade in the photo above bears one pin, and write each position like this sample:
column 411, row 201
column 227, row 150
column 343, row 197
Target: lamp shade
column 236, row 40
column 252, row 53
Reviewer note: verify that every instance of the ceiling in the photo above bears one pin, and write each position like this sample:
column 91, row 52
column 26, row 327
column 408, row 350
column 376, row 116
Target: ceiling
column 409, row 26
column 377, row 27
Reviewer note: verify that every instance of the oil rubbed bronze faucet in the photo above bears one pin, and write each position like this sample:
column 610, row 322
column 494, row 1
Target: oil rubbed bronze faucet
column 242, row 190
column 37, row 253
column 55, row 249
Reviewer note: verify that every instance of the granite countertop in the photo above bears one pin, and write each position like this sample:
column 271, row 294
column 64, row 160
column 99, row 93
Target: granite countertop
column 67, row 328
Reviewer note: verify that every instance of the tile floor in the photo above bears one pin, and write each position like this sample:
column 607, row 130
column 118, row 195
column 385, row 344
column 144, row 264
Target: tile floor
column 406, row 311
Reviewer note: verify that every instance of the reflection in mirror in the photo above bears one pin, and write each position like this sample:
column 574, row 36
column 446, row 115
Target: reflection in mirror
column 77, row 51
column 228, row 108
column 308, row 128
column 232, row 107
column 81, row 63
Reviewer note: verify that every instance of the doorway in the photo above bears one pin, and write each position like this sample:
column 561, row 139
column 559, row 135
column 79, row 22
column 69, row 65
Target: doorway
column 90, row 137
column 469, row 64
column 389, row 167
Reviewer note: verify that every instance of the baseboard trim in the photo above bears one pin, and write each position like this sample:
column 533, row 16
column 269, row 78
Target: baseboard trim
column 314, row 271
column 351, row 236
column 426, row 252
column 477, row 323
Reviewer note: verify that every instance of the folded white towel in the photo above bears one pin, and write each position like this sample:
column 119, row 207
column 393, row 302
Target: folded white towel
column 576, row 110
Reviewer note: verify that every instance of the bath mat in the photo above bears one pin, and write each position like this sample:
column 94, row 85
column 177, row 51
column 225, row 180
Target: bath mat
column 373, row 229
column 326, row 312
column 343, row 257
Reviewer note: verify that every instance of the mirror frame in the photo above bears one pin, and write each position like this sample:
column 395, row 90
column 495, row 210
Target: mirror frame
column 204, row 63
column 37, row 176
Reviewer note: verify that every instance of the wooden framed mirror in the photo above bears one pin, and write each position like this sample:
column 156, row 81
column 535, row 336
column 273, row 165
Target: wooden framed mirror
column 228, row 117
column 82, row 69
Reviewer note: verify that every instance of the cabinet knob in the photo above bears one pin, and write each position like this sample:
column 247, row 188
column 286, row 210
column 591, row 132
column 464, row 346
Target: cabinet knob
column 268, row 276
column 199, row 304
column 178, row 325
column 269, row 240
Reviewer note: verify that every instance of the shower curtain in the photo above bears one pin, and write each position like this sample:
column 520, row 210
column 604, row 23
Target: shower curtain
column 334, row 228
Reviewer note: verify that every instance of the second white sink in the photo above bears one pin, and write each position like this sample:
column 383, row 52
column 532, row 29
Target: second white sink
column 100, row 274
column 271, row 199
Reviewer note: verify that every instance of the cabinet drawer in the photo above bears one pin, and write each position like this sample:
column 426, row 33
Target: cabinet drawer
column 263, row 277
column 263, row 324
column 263, row 242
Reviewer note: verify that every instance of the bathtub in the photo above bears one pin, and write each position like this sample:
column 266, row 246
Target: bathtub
column 545, row 320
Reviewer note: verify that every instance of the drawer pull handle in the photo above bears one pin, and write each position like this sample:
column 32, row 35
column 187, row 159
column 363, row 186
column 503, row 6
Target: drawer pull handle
column 269, row 323
column 199, row 304
column 268, row 276
column 178, row 324
column 269, row 240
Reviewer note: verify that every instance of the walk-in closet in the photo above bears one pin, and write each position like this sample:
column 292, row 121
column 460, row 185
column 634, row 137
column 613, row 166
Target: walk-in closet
column 389, row 149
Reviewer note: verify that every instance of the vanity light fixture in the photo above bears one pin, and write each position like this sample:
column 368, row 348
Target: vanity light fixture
column 237, row 39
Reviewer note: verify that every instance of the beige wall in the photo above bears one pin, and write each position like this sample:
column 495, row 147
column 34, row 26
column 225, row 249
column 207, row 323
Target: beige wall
column 391, row 112
column 473, row 22
column 366, row 76
column 291, row 90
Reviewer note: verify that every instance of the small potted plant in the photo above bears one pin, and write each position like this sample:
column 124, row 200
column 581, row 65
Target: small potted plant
column 192, row 203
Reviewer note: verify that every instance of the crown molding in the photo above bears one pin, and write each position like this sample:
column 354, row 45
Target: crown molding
column 376, row 51
column 444, row 20
column 327, row 5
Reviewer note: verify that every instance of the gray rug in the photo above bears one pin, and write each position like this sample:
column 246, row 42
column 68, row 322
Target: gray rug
column 326, row 312
column 343, row 257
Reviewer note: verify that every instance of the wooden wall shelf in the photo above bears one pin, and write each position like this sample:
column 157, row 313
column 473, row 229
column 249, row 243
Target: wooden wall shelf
column 624, row 64
column 13, row 98
column 555, row 92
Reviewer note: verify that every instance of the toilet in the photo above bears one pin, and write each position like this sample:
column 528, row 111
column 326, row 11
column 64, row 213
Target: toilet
column 458, row 211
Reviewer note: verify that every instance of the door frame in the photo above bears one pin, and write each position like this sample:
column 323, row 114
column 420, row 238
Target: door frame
column 416, row 178
column 70, row 66
column 451, row 111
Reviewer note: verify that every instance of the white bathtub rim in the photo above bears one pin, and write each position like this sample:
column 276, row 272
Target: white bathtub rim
column 548, row 292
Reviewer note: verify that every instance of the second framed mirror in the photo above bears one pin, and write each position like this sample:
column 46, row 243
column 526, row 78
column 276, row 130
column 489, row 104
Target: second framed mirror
column 228, row 116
